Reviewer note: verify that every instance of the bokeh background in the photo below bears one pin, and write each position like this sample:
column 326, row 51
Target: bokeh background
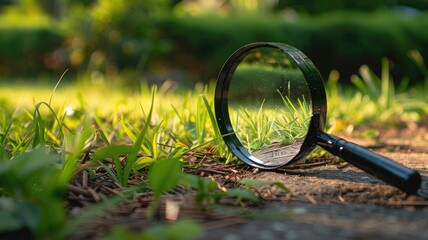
column 188, row 40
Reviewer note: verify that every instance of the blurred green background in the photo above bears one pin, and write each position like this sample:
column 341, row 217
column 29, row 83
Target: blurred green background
column 188, row 40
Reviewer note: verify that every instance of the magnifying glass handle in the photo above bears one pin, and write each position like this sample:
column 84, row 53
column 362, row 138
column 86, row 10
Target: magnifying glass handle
column 382, row 167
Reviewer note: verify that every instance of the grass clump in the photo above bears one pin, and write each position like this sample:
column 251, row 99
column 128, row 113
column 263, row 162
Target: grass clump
column 374, row 101
column 129, row 134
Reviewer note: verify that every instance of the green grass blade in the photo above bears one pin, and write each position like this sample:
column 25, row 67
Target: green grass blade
column 56, row 86
column 132, row 157
column 109, row 171
column 111, row 151
column 40, row 127
column 217, row 133
column 76, row 144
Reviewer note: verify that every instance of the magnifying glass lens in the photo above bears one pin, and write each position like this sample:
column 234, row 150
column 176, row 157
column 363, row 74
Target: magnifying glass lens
column 269, row 105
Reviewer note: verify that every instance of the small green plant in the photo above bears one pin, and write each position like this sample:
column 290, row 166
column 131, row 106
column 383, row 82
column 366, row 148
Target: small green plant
column 208, row 192
column 376, row 100
column 164, row 175
column 344, row 117
column 74, row 146
column 114, row 151
column 217, row 135
column 29, row 198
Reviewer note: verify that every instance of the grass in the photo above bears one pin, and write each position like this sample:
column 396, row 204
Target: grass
column 258, row 127
column 149, row 133
column 374, row 100
column 128, row 133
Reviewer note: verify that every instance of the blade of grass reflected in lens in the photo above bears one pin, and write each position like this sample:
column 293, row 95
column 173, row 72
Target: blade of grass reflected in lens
column 265, row 126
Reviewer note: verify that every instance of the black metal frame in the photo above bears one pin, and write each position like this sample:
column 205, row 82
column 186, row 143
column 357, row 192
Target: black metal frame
column 313, row 80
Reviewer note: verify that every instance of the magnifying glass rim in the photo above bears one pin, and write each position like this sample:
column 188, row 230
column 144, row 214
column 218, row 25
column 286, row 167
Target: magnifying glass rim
column 316, row 89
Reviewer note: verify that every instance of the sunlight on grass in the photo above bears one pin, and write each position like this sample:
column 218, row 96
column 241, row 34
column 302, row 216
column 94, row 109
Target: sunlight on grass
column 119, row 112
column 182, row 119
column 84, row 126
column 260, row 127
column 373, row 100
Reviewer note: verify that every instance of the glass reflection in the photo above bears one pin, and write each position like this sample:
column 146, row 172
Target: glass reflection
column 269, row 105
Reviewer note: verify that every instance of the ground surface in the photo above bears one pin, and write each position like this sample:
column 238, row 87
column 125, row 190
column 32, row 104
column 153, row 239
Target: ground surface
column 328, row 200
column 335, row 202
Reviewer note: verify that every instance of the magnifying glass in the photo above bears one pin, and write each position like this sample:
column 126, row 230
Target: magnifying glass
column 271, row 106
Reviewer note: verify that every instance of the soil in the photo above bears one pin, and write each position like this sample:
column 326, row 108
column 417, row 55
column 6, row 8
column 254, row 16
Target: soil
column 328, row 199
column 339, row 201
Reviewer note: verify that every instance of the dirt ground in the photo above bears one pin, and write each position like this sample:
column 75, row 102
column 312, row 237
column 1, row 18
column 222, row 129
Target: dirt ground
column 336, row 201
column 327, row 200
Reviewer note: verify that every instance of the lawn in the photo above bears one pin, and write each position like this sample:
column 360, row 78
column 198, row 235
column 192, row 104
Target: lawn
column 74, row 150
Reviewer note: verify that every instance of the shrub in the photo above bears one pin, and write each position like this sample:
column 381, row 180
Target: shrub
column 341, row 40
column 25, row 50
column 114, row 35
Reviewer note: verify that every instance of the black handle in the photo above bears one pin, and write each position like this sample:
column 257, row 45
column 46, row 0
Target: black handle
column 382, row 167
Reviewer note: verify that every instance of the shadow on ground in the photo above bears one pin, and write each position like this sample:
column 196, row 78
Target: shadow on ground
column 335, row 202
